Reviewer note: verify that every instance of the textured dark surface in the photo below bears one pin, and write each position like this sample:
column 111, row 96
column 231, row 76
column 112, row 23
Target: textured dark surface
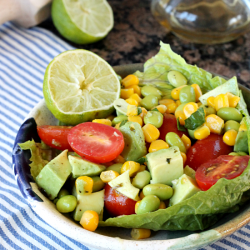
column 136, row 36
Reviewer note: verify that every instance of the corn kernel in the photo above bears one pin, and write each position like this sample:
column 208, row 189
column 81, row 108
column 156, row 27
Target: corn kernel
column 201, row 133
column 140, row 233
column 184, row 157
column 210, row 101
column 243, row 127
column 117, row 126
column 162, row 205
column 199, row 104
column 166, row 101
column 178, row 103
column 109, row 175
column 130, row 80
column 233, row 99
column 103, row 121
column 137, row 89
column 132, row 101
column 214, row 123
column 90, row 220
column 176, row 92
column 136, row 118
column 142, row 168
column 230, row 137
column 221, row 101
column 141, row 195
column 180, row 114
column 150, row 132
column 137, row 205
column 143, row 112
column 157, row 145
column 161, row 108
column 136, row 97
column 132, row 166
column 119, row 159
column 189, row 109
column 84, row 184
column 126, row 93
column 186, row 141
column 198, row 92
column 132, row 110
column 171, row 108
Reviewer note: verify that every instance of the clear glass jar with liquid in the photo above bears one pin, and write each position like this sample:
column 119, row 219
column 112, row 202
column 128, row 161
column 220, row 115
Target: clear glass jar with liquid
column 204, row 21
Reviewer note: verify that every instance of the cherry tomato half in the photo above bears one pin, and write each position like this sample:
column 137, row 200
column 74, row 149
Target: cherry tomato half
column 55, row 136
column 225, row 166
column 206, row 150
column 96, row 142
column 116, row 203
column 169, row 125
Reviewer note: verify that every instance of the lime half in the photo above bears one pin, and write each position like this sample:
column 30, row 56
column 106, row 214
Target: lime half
column 80, row 86
column 82, row 21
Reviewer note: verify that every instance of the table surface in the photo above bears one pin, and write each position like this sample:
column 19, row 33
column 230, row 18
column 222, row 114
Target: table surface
column 136, row 36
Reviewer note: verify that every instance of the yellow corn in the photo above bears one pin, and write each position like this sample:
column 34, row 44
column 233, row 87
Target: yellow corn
column 161, row 108
column 171, row 108
column 180, row 114
column 132, row 110
column 130, row 80
column 136, row 97
column 198, row 92
column 126, row 93
column 214, row 123
column 119, row 159
column 210, row 101
column 137, row 89
column 157, row 145
column 84, row 184
column 137, row 205
column 243, row 127
column 140, row 233
column 103, row 121
column 221, row 101
column 186, row 141
column 109, row 175
column 166, row 101
column 136, row 118
column 132, row 101
column 90, row 220
column 143, row 112
column 229, row 137
column 142, row 168
column 189, row 109
column 178, row 103
column 117, row 126
column 141, row 195
column 162, row 205
column 150, row 132
column 184, row 157
column 201, row 133
column 132, row 166
column 176, row 92
column 199, row 104
column 233, row 99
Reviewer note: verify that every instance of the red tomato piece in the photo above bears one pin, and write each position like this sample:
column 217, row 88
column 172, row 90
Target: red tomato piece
column 55, row 136
column 225, row 166
column 170, row 125
column 96, row 142
column 206, row 150
column 116, row 203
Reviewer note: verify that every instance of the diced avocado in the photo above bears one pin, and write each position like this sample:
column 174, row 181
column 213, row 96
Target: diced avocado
column 123, row 185
column 54, row 174
column 229, row 86
column 241, row 142
column 82, row 167
column 165, row 165
column 184, row 188
column 134, row 141
column 93, row 201
column 189, row 172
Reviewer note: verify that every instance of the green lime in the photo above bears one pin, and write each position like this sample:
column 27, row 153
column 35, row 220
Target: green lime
column 80, row 86
column 82, row 21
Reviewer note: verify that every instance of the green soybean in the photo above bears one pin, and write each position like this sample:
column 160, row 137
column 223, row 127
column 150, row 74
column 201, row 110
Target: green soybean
column 98, row 183
column 180, row 107
column 66, row 204
column 174, row 140
column 208, row 110
column 149, row 203
column 229, row 113
column 191, row 133
column 62, row 193
column 150, row 90
column 119, row 119
column 141, row 179
column 237, row 153
column 187, row 94
column 149, row 102
column 154, row 117
column 176, row 78
column 162, row 191
column 115, row 167
column 231, row 125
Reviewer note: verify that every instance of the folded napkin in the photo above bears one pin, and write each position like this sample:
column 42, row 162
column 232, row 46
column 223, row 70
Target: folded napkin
column 24, row 56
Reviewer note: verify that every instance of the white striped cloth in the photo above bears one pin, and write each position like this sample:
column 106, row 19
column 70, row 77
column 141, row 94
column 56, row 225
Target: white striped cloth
column 24, row 55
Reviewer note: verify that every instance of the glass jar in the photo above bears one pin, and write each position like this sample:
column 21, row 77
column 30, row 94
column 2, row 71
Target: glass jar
column 204, row 21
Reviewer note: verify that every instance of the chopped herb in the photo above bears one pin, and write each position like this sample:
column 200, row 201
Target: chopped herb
column 141, row 160
column 139, row 110
column 155, row 109
column 123, row 122
column 168, row 160
column 179, row 126
column 195, row 120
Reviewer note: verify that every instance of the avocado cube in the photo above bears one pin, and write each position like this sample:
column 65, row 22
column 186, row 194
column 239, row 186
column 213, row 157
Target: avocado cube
column 53, row 176
column 165, row 165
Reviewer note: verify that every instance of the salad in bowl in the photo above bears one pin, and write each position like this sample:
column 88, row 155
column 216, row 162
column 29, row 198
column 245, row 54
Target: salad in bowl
column 164, row 148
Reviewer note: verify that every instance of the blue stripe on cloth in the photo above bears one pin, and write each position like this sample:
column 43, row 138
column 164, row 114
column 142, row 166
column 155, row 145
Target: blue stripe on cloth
column 231, row 244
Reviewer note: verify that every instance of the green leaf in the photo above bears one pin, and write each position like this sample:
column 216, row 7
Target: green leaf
column 123, row 122
column 141, row 160
column 139, row 110
column 155, row 109
column 195, row 120
column 179, row 126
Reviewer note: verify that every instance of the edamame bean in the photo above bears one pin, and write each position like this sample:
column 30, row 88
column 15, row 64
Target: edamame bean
column 149, row 203
column 66, row 204
column 154, row 117
column 187, row 94
column 162, row 191
column 115, row 167
column 180, row 107
column 149, row 102
column 174, row 140
column 229, row 113
column 150, row 90
column 98, row 184
column 237, row 153
column 176, row 78
column 191, row 133
column 208, row 110
column 231, row 125
column 141, row 179
column 62, row 192
column 119, row 119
